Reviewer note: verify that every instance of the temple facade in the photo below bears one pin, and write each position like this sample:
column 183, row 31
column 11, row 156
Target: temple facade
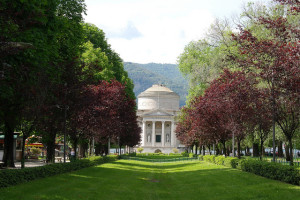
column 158, row 107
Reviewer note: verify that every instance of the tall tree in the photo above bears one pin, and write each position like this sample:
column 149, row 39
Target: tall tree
column 52, row 29
column 109, row 114
column 276, row 59
column 113, row 63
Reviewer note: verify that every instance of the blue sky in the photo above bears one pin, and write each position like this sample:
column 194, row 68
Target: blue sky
column 146, row 31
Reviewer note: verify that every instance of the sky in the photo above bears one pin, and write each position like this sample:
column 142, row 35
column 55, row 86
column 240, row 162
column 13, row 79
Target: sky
column 144, row 31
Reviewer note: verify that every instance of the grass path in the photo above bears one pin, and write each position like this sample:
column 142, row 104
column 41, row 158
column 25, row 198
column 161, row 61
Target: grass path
column 141, row 180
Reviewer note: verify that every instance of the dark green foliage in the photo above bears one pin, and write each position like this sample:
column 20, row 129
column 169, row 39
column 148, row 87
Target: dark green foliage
column 191, row 155
column 146, row 75
column 110, row 64
column 185, row 154
column 221, row 160
column 231, row 162
column 276, row 171
column 11, row 177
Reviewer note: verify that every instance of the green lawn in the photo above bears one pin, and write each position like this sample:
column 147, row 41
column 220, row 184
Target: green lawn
column 143, row 180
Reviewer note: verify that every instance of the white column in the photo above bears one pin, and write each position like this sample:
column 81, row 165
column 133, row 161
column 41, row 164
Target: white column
column 144, row 134
column 163, row 133
column 153, row 133
column 173, row 137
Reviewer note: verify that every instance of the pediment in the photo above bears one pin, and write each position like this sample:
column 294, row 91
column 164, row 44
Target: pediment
column 157, row 113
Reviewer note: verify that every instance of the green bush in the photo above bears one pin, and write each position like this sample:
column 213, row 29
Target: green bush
column 9, row 177
column 175, row 150
column 174, row 154
column 200, row 157
column 209, row 158
column 132, row 154
column 266, row 169
column 219, row 160
column 276, row 171
column 231, row 162
column 185, row 154
column 35, row 151
column 140, row 149
column 191, row 155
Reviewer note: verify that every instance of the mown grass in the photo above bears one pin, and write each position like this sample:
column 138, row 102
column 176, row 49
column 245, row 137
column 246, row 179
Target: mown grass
column 144, row 180
column 159, row 156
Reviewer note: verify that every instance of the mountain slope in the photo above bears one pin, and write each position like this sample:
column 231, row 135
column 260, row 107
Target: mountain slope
column 146, row 75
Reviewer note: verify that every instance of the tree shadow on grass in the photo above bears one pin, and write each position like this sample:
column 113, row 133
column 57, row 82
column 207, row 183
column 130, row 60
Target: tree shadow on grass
column 138, row 180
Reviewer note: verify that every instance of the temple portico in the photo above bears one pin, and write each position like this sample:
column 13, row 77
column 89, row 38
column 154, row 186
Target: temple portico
column 158, row 107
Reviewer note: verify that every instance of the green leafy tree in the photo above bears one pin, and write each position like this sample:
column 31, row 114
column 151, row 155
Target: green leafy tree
column 113, row 64
column 39, row 37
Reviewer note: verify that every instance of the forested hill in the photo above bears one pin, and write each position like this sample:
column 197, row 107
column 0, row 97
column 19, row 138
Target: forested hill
column 145, row 75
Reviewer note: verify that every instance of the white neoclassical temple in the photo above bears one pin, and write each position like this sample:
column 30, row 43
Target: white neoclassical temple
column 158, row 107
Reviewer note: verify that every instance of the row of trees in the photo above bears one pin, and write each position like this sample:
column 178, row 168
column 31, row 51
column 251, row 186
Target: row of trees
column 245, row 82
column 59, row 74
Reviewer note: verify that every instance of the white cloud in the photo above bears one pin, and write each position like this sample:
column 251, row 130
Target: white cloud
column 153, row 30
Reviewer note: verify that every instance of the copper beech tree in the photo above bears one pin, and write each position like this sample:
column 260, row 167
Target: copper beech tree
column 275, row 59
column 108, row 113
column 227, row 109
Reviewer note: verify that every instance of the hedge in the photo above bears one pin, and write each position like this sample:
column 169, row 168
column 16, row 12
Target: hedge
column 276, row 171
column 10, row 177
column 209, row 158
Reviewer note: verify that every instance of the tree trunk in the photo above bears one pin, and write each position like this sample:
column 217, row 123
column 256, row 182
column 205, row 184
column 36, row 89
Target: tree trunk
column 8, row 156
column 238, row 148
column 247, row 151
column 209, row 149
column 255, row 150
column 23, row 151
column 203, row 150
column 229, row 150
column 51, row 149
column 280, row 150
column 196, row 150
column 291, row 152
column 287, row 153
column 217, row 149
column 224, row 148
column 261, row 148
column 75, row 145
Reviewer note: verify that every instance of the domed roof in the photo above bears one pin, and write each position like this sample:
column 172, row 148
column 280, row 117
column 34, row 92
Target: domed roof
column 158, row 88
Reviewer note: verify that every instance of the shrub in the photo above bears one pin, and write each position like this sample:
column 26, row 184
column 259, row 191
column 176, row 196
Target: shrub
column 140, row 149
column 9, row 177
column 185, row 154
column 157, row 151
column 209, row 158
column 132, row 154
column 219, row 160
column 191, row 155
column 277, row 171
column 200, row 157
column 35, row 151
column 231, row 162
column 175, row 150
